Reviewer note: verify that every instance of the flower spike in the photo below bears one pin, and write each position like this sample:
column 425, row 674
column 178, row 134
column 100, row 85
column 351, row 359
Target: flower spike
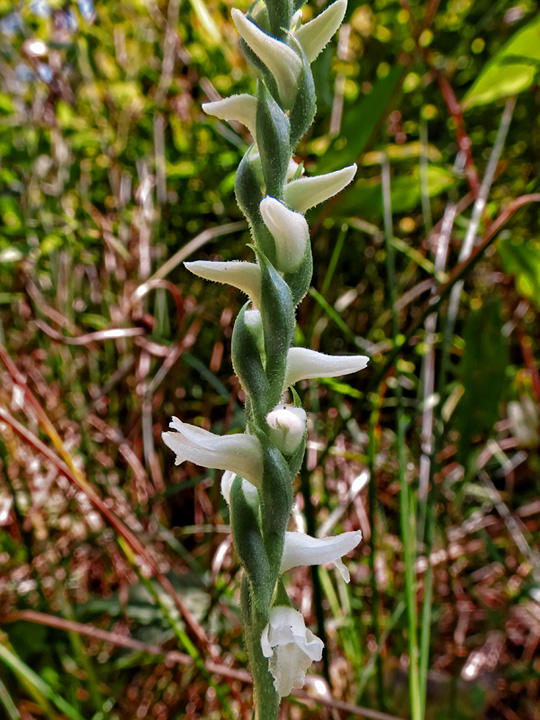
column 245, row 276
column 279, row 58
column 241, row 108
column 305, row 364
column 290, row 647
column 306, row 192
column 315, row 35
column 290, row 231
column 239, row 453
column 301, row 549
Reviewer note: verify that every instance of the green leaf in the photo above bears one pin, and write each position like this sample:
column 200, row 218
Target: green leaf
column 303, row 110
column 482, row 373
column 512, row 69
column 277, row 311
column 273, row 140
column 10, row 214
column 249, row 545
column 523, row 261
column 247, row 362
column 35, row 684
column 276, row 501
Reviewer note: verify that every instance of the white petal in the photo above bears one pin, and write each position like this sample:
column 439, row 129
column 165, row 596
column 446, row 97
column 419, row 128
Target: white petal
column 306, row 192
column 287, row 427
column 279, row 58
column 291, row 171
column 250, row 492
column 239, row 453
column 303, row 364
column 241, row 108
column 315, row 34
column 290, row 647
column 303, row 549
column 290, row 231
column 245, row 276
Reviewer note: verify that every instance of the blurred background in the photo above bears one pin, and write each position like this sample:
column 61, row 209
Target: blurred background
column 119, row 587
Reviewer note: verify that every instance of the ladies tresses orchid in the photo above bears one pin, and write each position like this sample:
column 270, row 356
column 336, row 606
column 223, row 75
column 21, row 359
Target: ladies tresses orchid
column 306, row 192
column 301, row 549
column 260, row 465
column 315, row 35
column 239, row 453
column 250, row 492
column 245, row 276
column 304, row 364
column 282, row 61
column 287, row 427
column 290, row 647
column 290, row 231
column 241, row 108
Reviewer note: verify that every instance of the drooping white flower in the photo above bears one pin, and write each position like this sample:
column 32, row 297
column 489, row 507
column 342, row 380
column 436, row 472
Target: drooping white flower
column 287, row 427
column 241, row 108
column 303, row 364
column 245, row 276
column 239, row 453
column 290, row 231
column 250, row 492
column 282, row 61
column 306, row 192
column 316, row 33
column 290, row 648
column 301, row 549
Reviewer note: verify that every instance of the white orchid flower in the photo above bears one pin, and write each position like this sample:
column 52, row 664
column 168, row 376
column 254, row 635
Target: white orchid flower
column 245, row 276
column 241, row 108
column 240, row 453
column 250, row 492
column 290, row 231
column 301, row 549
column 290, row 648
column 315, row 34
column 306, row 192
column 282, row 61
column 304, row 364
column 287, row 427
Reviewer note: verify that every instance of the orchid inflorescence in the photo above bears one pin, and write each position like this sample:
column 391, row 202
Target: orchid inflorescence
column 261, row 464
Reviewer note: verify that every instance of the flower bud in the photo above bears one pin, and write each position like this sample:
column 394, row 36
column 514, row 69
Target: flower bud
column 250, row 491
column 282, row 61
column 303, row 364
column 245, row 276
column 241, row 108
column 287, row 427
column 306, row 192
column 289, row 230
column 315, row 34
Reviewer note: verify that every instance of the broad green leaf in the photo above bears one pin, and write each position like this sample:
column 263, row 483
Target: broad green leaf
column 512, row 70
column 523, row 261
column 482, row 373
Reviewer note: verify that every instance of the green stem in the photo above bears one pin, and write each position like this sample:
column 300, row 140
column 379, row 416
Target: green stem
column 266, row 700
column 372, row 550
column 407, row 518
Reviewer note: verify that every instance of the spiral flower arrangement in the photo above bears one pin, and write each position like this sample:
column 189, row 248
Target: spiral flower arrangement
column 261, row 463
